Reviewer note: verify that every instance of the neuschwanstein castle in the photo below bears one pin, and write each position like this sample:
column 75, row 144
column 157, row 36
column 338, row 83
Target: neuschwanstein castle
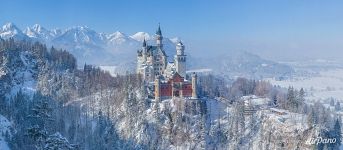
column 168, row 78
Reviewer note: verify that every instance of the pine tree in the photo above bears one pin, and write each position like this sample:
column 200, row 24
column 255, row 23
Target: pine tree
column 57, row 142
column 301, row 101
column 274, row 98
column 301, row 95
column 41, row 114
column 332, row 102
column 338, row 106
column 336, row 133
column 312, row 117
column 291, row 99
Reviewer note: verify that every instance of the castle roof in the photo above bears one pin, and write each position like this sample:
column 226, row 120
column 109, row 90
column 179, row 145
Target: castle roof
column 150, row 49
column 180, row 43
column 177, row 77
column 176, row 74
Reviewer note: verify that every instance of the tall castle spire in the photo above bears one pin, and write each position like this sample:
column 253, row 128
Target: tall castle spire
column 159, row 32
column 159, row 37
column 144, row 42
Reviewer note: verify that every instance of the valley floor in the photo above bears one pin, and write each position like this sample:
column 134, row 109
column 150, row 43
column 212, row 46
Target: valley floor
column 327, row 84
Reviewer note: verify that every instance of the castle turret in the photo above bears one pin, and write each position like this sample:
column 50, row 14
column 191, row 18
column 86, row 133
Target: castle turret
column 159, row 37
column 157, row 89
column 139, row 61
column 141, row 58
column 144, row 50
column 180, row 48
column 180, row 59
column 194, row 86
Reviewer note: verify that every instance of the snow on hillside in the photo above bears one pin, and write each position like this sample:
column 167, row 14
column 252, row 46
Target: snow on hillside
column 255, row 100
column 22, row 72
column 284, row 129
column 5, row 132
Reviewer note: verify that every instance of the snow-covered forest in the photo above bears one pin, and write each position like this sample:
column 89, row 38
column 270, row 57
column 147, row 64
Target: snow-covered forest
column 46, row 102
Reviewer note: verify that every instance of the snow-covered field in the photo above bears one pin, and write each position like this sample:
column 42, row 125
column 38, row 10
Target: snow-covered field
column 325, row 85
column 204, row 70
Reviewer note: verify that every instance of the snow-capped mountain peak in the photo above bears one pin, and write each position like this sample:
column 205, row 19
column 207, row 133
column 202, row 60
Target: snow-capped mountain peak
column 9, row 26
column 80, row 28
column 9, row 30
column 116, row 35
column 118, row 38
column 175, row 40
column 57, row 31
column 40, row 33
column 38, row 28
column 140, row 36
column 80, row 34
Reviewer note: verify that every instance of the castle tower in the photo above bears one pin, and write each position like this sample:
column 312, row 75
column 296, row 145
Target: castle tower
column 139, row 61
column 194, row 86
column 159, row 37
column 141, row 58
column 157, row 89
column 180, row 59
column 144, row 47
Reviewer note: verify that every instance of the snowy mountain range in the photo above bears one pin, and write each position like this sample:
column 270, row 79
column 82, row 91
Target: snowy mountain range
column 118, row 50
column 86, row 44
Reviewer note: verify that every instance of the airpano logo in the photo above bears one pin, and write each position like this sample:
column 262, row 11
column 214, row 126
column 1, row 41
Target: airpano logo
column 321, row 140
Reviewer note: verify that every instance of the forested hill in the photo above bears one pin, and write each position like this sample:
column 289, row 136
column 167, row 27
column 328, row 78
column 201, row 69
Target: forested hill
column 47, row 103
column 32, row 67
column 37, row 82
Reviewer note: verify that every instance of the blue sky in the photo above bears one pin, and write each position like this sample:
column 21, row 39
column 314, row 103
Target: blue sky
column 275, row 29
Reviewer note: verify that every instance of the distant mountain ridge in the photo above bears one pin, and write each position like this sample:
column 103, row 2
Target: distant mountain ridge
column 118, row 50
column 243, row 64
column 86, row 44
